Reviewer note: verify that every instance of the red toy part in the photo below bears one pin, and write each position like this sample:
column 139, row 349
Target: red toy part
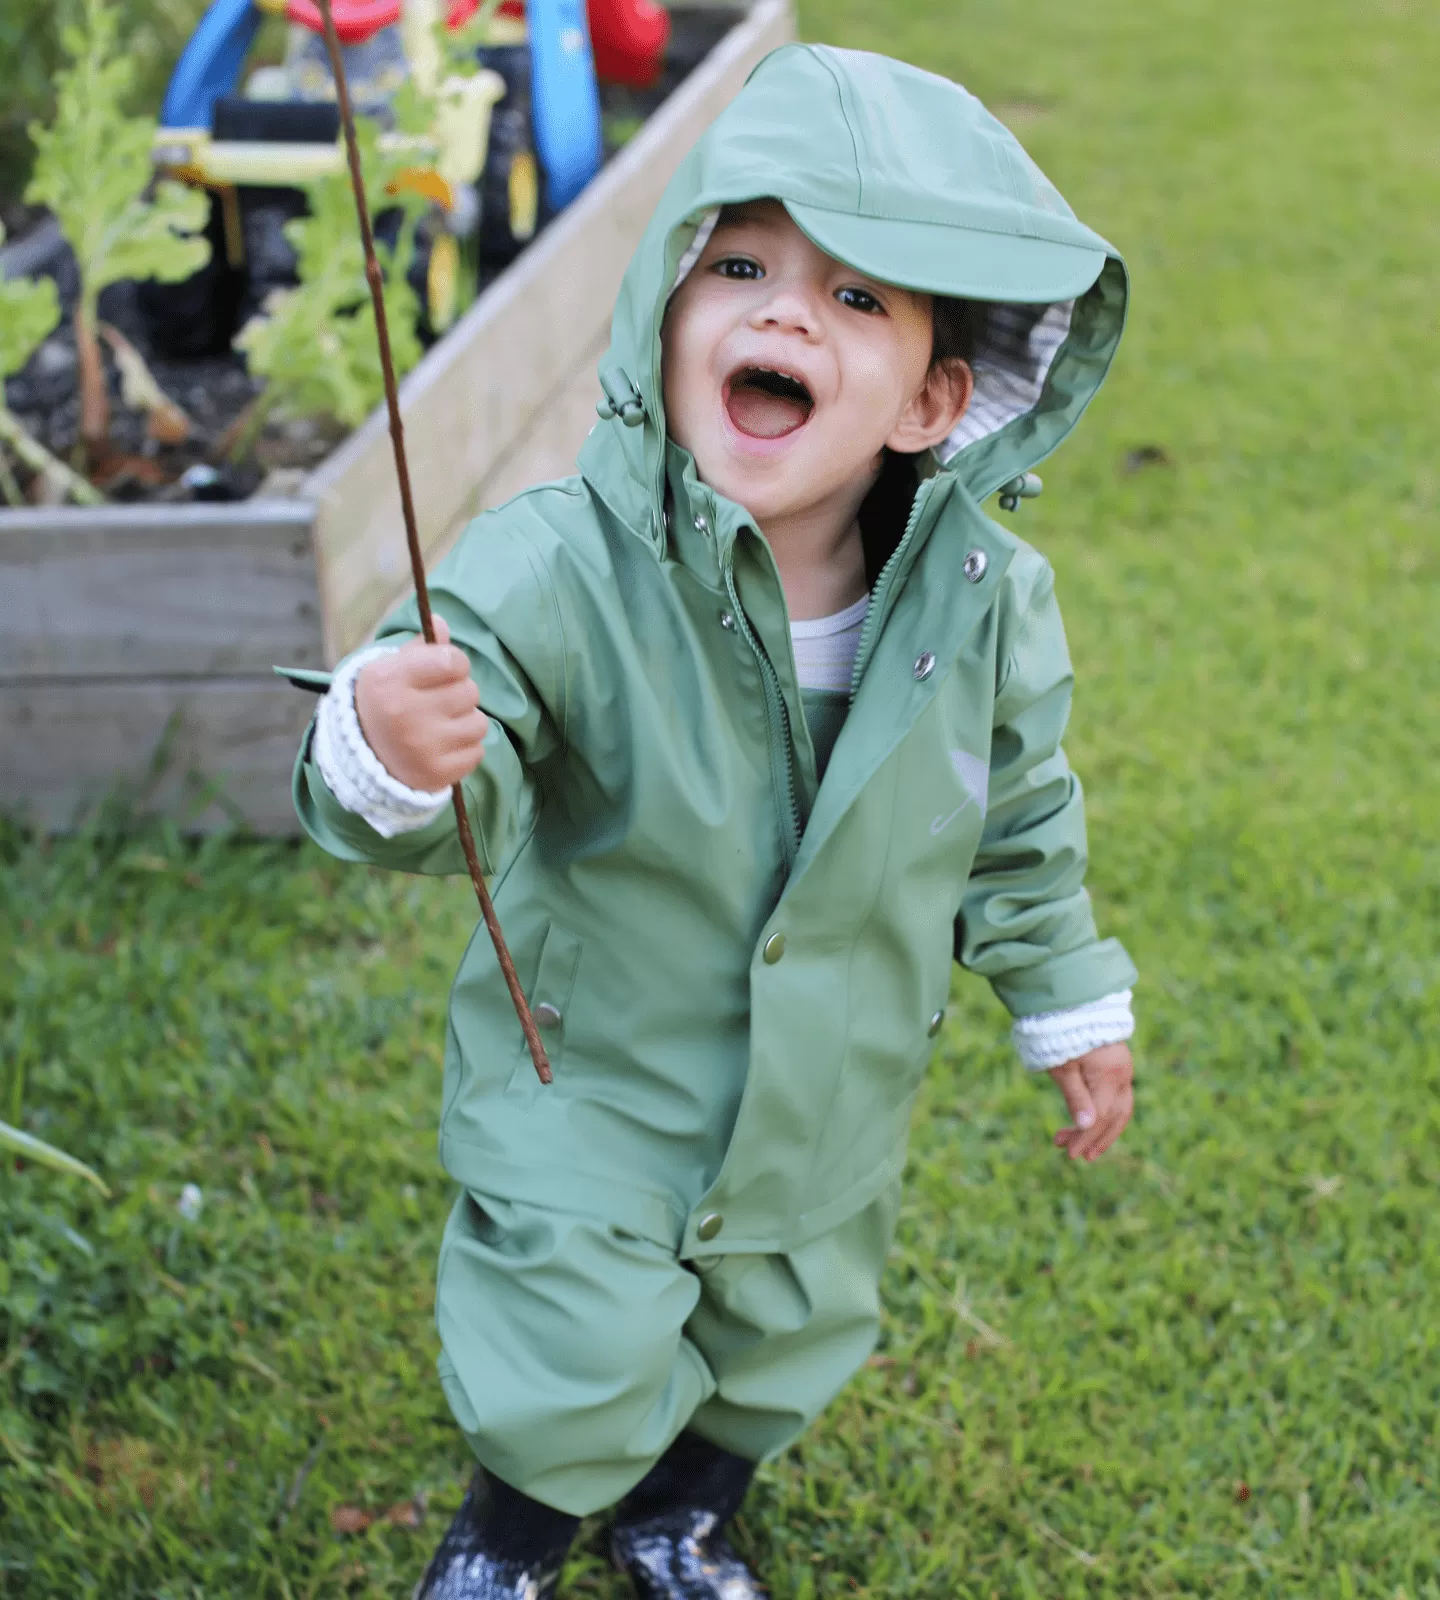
column 628, row 38
column 358, row 20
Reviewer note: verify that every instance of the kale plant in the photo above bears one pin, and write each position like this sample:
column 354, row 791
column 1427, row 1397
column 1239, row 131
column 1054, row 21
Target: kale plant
column 93, row 169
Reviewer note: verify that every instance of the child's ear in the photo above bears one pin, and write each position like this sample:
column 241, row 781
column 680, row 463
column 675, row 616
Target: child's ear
column 935, row 408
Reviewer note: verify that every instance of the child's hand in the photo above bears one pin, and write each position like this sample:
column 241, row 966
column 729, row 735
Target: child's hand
column 418, row 709
column 1097, row 1089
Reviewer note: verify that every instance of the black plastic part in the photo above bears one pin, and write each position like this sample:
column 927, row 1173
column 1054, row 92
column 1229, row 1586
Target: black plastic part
column 511, row 135
column 275, row 121
column 196, row 317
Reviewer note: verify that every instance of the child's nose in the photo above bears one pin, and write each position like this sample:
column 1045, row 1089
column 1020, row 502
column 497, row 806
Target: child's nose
column 790, row 309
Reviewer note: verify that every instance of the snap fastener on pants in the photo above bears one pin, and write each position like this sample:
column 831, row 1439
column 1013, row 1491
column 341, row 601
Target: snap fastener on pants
column 702, row 524
column 726, row 620
column 936, row 1022
column 774, row 948
column 710, row 1226
column 924, row 665
column 975, row 565
column 546, row 1015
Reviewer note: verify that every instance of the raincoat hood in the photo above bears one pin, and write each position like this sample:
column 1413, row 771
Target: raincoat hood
column 906, row 177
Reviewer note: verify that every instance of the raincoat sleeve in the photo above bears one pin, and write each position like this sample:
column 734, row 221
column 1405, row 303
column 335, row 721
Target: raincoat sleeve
column 1025, row 921
column 496, row 595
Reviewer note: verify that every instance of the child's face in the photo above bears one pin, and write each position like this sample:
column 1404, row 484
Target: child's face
column 787, row 372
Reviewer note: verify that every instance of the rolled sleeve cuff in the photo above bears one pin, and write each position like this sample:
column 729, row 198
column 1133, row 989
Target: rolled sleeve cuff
column 352, row 771
column 1051, row 1038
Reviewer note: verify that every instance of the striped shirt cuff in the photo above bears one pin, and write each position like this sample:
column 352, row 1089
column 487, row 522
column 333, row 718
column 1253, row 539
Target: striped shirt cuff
column 353, row 772
column 1052, row 1038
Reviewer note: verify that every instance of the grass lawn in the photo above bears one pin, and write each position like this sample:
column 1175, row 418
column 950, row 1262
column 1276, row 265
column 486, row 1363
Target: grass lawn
column 1206, row 1366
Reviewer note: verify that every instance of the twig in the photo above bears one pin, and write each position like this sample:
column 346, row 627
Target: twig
column 375, row 279
column 1062, row 1543
column 911, row 1415
column 292, row 1498
column 962, row 1309
column 34, row 455
column 8, row 486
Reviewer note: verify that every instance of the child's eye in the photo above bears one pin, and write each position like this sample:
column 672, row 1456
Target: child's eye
column 858, row 299
column 741, row 267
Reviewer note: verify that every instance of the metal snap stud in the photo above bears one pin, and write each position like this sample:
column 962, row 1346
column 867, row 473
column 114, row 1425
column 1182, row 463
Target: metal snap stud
column 936, row 1023
column 702, row 525
column 710, row 1226
column 727, row 620
column 774, row 948
column 924, row 665
column 975, row 564
column 546, row 1015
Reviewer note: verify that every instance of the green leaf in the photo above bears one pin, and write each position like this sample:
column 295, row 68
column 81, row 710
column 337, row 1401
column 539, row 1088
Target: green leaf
column 29, row 310
column 315, row 345
column 93, row 167
column 46, row 1155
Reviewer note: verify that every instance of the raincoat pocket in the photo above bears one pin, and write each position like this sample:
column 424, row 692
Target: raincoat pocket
column 549, row 999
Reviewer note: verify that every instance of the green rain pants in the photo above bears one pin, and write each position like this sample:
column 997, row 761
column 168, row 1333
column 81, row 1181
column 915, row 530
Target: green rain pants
column 575, row 1352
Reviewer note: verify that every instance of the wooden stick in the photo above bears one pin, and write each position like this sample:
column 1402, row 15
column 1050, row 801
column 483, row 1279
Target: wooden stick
column 376, row 281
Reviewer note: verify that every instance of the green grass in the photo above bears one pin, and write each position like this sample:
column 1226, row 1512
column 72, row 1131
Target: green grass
column 1080, row 1369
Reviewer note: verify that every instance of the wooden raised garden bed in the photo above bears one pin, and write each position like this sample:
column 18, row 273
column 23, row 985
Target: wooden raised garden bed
column 136, row 642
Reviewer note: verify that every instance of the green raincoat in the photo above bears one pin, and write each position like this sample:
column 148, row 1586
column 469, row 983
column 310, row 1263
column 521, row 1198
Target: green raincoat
column 749, row 966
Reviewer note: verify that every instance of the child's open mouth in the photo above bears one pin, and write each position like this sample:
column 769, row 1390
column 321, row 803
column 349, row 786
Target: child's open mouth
column 766, row 404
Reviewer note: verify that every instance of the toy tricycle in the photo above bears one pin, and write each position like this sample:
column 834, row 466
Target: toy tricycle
column 518, row 138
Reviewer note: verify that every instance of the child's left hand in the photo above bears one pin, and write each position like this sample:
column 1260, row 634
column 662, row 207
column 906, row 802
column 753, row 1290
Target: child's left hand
column 1097, row 1089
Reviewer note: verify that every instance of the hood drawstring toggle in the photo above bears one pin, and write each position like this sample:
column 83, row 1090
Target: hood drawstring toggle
column 622, row 398
column 1026, row 487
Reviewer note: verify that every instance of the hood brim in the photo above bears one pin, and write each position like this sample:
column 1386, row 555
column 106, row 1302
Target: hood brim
column 948, row 259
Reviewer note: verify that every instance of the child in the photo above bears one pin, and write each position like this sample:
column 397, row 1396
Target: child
column 758, row 718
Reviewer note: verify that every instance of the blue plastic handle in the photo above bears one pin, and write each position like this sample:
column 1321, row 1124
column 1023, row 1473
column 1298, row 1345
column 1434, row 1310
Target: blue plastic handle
column 565, row 102
column 210, row 64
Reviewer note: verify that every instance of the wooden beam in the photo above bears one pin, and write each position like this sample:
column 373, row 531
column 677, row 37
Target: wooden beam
column 136, row 591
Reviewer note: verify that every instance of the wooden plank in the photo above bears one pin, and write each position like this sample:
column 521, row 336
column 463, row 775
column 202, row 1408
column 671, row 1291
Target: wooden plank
column 69, row 745
column 478, row 392
column 135, row 591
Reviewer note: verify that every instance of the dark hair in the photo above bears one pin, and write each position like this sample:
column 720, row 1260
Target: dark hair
column 957, row 329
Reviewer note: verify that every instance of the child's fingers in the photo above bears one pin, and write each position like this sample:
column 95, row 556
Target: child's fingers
column 431, row 666
column 1070, row 1081
column 1115, row 1101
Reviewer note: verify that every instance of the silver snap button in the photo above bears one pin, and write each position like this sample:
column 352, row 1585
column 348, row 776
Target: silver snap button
column 975, row 564
column 774, row 948
column 726, row 620
column 546, row 1015
column 936, row 1023
column 924, row 665
column 702, row 525
column 710, row 1226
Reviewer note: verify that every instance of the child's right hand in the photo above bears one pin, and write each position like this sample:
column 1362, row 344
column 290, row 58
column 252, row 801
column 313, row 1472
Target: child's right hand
column 419, row 711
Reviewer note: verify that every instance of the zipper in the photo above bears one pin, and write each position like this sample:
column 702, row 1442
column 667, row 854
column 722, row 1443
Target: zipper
column 777, row 723
column 880, row 595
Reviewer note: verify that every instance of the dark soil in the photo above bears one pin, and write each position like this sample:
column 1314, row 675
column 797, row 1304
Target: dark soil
column 216, row 391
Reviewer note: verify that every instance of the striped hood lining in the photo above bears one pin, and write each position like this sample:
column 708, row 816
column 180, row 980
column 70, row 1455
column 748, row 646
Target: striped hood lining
column 1013, row 358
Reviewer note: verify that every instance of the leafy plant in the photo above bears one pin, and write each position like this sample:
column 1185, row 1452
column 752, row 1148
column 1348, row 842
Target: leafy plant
column 29, row 310
column 93, row 169
column 315, row 344
column 31, row 55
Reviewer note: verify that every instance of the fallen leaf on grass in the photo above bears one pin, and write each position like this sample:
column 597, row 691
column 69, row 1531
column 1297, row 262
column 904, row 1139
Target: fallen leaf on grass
column 1147, row 455
column 350, row 1519
column 406, row 1513
column 356, row 1519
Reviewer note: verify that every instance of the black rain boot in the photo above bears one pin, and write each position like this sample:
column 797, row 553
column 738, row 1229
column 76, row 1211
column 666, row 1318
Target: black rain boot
column 669, row 1531
column 502, row 1545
